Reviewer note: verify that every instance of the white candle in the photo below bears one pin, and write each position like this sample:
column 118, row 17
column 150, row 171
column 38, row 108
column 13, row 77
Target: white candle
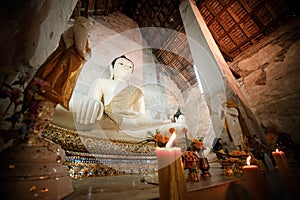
column 166, row 156
column 254, row 181
column 286, row 173
column 170, row 173
column 282, row 163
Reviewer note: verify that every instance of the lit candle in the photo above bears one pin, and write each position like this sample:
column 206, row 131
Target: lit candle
column 286, row 172
column 281, row 161
column 254, row 181
column 170, row 172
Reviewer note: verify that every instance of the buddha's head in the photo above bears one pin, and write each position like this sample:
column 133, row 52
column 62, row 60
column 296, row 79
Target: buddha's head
column 179, row 117
column 121, row 68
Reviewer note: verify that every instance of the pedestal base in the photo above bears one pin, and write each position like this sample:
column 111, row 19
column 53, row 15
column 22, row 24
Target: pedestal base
column 33, row 170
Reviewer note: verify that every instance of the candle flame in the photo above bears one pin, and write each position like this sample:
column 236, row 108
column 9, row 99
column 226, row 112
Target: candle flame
column 277, row 150
column 248, row 160
column 170, row 142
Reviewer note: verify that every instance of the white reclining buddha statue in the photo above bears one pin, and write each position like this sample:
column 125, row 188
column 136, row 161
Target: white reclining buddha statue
column 113, row 104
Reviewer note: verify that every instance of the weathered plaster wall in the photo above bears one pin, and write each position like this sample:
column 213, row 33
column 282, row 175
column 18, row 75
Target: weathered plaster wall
column 270, row 74
column 29, row 34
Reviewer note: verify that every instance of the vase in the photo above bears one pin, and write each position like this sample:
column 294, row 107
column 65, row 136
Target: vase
column 204, row 167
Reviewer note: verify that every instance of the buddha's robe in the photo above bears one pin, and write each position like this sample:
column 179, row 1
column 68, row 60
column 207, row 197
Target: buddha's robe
column 62, row 67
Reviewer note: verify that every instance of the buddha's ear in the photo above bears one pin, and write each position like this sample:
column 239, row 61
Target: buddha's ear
column 111, row 69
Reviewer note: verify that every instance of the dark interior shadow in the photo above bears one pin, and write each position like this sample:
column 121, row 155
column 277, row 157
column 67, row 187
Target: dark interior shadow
column 237, row 191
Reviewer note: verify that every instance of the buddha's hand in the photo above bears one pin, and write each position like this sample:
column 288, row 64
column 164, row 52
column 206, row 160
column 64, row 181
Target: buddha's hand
column 89, row 111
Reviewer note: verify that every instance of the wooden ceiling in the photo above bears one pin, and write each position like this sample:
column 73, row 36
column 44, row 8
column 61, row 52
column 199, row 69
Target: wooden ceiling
column 235, row 25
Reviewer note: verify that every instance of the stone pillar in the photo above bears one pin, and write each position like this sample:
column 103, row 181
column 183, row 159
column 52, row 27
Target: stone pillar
column 210, row 75
column 217, row 81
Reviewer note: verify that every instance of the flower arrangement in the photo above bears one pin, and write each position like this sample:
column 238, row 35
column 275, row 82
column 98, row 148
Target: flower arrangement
column 12, row 125
column 197, row 145
column 35, row 94
column 14, row 95
column 159, row 139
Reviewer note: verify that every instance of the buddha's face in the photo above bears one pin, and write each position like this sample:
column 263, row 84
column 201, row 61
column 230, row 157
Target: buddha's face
column 180, row 119
column 122, row 69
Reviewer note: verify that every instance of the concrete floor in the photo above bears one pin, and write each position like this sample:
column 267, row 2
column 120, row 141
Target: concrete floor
column 130, row 187
column 113, row 187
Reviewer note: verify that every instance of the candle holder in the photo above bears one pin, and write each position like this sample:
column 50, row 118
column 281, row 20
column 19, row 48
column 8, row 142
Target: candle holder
column 191, row 162
column 227, row 167
column 193, row 174
column 239, row 163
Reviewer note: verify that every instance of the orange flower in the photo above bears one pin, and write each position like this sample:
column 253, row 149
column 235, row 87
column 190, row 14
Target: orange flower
column 198, row 145
column 159, row 138
column 172, row 130
column 167, row 139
